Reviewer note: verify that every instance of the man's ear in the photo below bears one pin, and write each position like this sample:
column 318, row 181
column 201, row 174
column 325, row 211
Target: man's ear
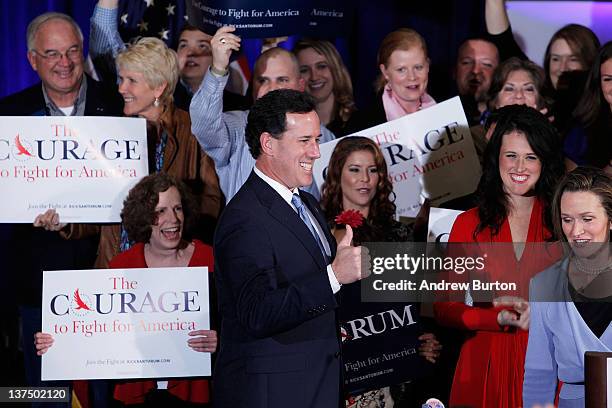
column 32, row 60
column 301, row 84
column 266, row 141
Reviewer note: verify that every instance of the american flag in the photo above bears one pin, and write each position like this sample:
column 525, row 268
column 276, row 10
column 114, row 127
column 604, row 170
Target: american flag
column 164, row 19
column 152, row 18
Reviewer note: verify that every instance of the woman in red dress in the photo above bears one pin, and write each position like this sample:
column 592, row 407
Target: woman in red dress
column 522, row 164
column 158, row 214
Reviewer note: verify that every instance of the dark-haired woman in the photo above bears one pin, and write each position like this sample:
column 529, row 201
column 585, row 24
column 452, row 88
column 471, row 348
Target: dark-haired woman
column 569, row 55
column 357, row 180
column 158, row 215
column 571, row 48
column 522, row 164
column 514, row 82
column 589, row 143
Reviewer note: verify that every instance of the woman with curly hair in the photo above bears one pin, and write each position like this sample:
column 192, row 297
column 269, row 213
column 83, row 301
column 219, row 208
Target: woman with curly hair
column 159, row 214
column 522, row 165
column 357, row 180
column 328, row 82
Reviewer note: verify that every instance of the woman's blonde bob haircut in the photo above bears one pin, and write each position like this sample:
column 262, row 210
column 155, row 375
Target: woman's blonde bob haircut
column 157, row 63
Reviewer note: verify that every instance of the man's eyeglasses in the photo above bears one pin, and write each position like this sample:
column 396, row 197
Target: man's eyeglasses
column 53, row 56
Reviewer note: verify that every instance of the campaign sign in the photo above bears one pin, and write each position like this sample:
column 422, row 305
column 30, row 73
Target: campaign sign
column 429, row 154
column 124, row 323
column 252, row 18
column 329, row 18
column 379, row 344
column 440, row 224
column 83, row 167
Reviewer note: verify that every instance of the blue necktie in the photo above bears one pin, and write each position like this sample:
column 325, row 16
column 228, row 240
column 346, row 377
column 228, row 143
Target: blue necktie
column 299, row 205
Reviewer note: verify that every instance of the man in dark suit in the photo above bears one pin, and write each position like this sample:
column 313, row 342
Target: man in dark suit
column 279, row 339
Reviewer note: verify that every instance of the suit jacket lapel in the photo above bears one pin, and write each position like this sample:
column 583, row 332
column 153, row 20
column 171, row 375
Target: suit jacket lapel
column 314, row 208
column 287, row 217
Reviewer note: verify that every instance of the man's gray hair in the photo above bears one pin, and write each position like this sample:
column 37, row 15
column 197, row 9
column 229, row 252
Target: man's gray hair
column 35, row 24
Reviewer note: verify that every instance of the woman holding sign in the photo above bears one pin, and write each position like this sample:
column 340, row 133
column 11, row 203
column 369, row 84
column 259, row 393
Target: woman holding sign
column 357, row 192
column 158, row 215
column 522, row 164
column 571, row 307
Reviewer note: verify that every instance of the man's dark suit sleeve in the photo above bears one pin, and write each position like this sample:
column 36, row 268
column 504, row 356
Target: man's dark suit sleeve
column 269, row 299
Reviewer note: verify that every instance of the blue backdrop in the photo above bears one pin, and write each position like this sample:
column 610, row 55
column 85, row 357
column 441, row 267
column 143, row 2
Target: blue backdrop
column 443, row 28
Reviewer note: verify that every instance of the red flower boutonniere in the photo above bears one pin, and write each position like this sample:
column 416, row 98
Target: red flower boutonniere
column 350, row 217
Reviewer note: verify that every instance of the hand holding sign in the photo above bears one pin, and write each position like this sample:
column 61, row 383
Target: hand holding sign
column 205, row 342
column 49, row 220
column 42, row 342
column 430, row 347
column 222, row 45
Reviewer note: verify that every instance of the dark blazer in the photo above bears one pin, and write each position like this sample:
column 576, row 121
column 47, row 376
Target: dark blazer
column 279, row 344
column 99, row 101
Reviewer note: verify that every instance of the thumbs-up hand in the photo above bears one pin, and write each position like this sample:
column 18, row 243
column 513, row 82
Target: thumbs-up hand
column 347, row 239
column 348, row 266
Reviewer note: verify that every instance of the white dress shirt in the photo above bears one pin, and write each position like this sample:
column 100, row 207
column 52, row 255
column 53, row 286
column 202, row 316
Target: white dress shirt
column 287, row 195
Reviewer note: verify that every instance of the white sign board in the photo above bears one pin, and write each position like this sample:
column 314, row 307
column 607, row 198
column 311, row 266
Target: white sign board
column 429, row 154
column 124, row 323
column 81, row 166
column 441, row 222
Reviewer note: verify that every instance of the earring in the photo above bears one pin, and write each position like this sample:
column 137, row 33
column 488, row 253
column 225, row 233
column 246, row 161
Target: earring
column 156, row 102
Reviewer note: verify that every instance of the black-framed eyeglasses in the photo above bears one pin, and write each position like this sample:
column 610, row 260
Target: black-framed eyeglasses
column 53, row 56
